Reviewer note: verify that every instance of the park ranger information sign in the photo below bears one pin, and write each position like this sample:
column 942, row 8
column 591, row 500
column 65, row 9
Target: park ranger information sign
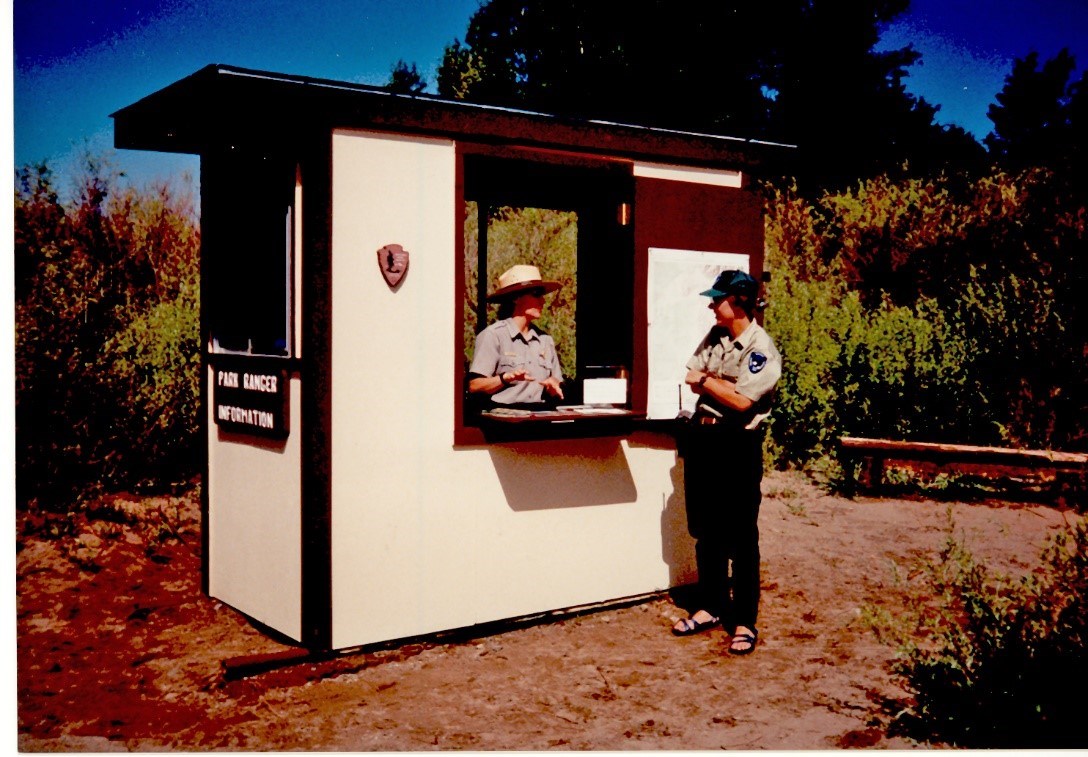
column 250, row 398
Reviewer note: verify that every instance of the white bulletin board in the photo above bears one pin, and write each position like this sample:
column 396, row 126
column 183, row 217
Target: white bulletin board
column 678, row 320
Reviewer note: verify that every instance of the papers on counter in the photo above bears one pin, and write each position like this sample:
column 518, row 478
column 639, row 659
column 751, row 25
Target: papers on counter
column 590, row 410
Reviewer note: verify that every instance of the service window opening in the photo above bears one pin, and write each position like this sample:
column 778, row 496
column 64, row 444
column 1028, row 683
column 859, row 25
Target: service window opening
column 572, row 220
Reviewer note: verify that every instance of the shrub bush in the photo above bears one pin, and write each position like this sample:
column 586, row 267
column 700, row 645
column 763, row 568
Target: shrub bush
column 985, row 655
column 107, row 344
column 888, row 371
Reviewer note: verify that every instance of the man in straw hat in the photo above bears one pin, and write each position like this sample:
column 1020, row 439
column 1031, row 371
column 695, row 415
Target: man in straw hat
column 514, row 362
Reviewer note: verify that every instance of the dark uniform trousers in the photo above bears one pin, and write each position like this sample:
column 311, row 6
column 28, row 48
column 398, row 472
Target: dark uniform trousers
column 723, row 469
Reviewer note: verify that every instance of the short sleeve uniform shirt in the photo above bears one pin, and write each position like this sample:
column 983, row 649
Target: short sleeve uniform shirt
column 751, row 360
column 502, row 348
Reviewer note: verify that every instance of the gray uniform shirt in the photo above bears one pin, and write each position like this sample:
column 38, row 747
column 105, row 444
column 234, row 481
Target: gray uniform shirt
column 502, row 348
column 751, row 360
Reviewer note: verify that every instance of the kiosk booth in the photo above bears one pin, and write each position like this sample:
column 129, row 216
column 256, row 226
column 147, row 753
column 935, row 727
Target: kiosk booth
column 352, row 494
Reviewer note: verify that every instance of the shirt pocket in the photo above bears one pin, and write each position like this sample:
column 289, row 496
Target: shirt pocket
column 718, row 365
column 543, row 363
column 508, row 361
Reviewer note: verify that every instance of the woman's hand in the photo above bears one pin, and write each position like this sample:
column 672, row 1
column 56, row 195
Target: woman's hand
column 721, row 388
column 692, row 379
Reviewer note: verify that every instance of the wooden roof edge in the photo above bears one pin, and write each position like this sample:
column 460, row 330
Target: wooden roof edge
column 146, row 124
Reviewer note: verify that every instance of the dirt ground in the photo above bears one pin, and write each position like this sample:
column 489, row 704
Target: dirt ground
column 118, row 649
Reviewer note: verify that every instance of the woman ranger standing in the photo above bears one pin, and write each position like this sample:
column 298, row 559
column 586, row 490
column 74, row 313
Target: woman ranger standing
column 734, row 371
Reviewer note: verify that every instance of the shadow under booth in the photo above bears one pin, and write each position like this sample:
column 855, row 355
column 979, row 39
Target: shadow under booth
column 353, row 492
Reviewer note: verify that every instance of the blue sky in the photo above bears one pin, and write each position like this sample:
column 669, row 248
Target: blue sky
column 78, row 61
column 968, row 48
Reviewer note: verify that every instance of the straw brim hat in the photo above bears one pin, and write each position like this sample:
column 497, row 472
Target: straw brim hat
column 519, row 278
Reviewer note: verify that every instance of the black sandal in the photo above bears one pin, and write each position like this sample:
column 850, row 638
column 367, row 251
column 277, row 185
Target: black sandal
column 744, row 638
column 689, row 626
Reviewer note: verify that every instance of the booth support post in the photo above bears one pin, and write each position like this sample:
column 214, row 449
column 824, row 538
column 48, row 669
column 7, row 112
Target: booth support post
column 315, row 257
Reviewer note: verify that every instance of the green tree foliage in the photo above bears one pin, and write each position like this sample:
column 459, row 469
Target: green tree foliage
column 603, row 59
column 406, row 79
column 1039, row 115
column 803, row 73
column 470, row 270
column 937, row 310
column 843, row 104
column 1041, row 121
column 460, row 72
column 107, row 349
column 1037, row 245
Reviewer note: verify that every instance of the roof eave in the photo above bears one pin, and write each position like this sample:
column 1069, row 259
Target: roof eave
column 219, row 103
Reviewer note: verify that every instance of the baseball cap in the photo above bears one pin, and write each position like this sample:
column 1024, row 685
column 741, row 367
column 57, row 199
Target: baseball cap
column 732, row 282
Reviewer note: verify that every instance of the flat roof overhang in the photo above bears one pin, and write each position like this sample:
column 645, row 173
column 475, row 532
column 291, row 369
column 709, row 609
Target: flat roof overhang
column 222, row 105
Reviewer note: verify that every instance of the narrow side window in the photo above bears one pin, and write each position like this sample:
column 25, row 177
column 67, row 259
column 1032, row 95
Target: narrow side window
column 247, row 224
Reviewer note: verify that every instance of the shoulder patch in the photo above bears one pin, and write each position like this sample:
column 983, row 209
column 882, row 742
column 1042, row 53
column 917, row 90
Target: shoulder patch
column 756, row 361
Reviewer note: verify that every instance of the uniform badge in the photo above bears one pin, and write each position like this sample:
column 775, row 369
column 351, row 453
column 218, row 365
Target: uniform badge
column 756, row 361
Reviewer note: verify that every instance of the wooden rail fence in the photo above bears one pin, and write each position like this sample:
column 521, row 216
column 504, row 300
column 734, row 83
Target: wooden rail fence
column 1068, row 468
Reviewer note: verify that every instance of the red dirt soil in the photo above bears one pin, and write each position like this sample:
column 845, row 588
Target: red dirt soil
column 118, row 649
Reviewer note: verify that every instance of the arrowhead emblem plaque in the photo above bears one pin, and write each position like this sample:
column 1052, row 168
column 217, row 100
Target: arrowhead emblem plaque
column 393, row 262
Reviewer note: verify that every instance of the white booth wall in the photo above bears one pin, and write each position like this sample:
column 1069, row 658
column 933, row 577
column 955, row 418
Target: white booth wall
column 254, row 521
column 427, row 536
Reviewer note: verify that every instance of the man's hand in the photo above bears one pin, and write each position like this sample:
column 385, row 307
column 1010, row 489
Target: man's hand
column 517, row 375
column 552, row 386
